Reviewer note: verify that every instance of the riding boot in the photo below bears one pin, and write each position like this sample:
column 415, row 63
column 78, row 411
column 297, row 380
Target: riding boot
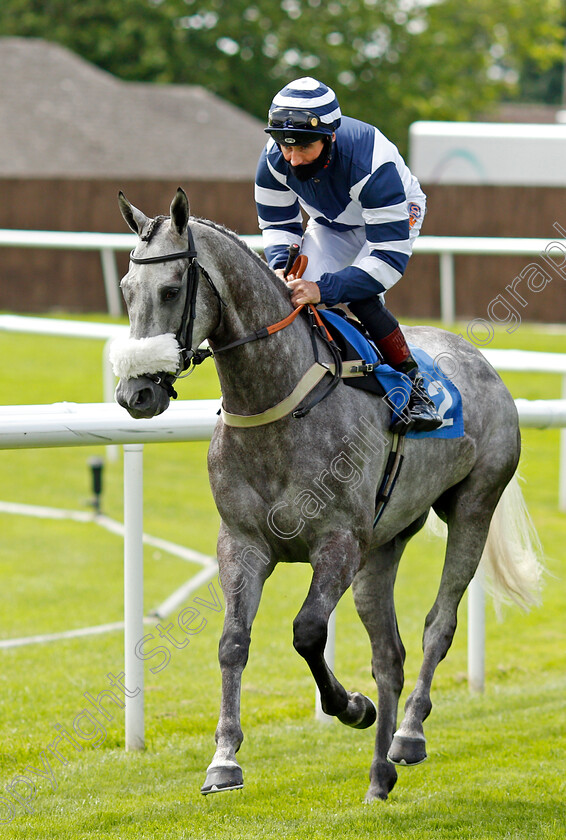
column 419, row 414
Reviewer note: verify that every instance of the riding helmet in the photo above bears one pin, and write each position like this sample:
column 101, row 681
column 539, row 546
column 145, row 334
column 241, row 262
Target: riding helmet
column 303, row 111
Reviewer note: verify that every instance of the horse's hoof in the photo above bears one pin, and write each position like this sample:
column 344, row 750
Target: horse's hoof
column 360, row 711
column 407, row 751
column 375, row 796
column 383, row 777
column 227, row 777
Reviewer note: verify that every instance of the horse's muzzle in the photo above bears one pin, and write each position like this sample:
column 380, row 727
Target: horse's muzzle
column 142, row 397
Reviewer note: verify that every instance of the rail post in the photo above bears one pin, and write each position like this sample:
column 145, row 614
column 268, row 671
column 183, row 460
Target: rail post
column 447, row 293
column 111, row 281
column 133, row 594
column 476, row 633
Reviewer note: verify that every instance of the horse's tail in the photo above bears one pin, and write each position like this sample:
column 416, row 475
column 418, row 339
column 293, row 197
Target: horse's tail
column 512, row 557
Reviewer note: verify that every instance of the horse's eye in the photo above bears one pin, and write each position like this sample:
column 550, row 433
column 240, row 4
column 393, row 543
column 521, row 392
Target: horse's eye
column 170, row 293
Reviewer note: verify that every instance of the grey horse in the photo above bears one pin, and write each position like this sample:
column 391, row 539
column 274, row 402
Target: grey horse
column 304, row 490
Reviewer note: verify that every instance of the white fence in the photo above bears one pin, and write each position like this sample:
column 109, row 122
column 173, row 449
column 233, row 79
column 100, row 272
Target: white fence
column 107, row 244
column 541, row 414
column 72, row 424
column 503, row 360
column 72, row 329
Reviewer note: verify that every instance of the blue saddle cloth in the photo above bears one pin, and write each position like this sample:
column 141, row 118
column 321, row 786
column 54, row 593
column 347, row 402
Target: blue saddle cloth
column 397, row 386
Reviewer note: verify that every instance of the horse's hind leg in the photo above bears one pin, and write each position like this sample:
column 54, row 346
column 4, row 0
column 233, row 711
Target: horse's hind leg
column 373, row 596
column 468, row 525
column 335, row 564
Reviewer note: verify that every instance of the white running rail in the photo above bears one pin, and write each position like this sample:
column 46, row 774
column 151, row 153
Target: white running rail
column 108, row 244
column 73, row 424
column 503, row 360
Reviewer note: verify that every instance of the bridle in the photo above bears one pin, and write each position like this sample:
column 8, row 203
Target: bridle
column 184, row 336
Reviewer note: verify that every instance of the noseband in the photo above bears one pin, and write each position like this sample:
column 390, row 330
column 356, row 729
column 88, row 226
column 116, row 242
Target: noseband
column 184, row 334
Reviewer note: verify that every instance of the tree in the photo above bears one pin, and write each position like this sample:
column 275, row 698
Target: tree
column 390, row 61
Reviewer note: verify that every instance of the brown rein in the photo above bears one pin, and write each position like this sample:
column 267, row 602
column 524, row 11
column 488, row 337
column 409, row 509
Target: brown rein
column 309, row 379
column 299, row 267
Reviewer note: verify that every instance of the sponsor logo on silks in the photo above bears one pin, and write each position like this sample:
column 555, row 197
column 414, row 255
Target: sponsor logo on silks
column 415, row 213
column 290, row 140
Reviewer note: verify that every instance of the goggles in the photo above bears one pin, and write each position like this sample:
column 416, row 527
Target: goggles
column 290, row 127
column 295, row 119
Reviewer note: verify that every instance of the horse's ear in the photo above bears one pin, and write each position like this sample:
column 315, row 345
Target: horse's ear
column 134, row 218
column 180, row 211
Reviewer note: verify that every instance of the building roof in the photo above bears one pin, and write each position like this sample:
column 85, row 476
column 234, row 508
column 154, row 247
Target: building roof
column 61, row 116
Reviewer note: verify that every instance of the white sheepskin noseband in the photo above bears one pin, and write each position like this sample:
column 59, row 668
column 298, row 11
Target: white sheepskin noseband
column 132, row 357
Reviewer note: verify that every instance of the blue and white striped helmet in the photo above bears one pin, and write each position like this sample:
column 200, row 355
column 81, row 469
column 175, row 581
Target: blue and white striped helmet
column 302, row 111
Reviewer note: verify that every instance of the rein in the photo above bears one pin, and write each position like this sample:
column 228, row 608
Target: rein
column 313, row 375
column 192, row 357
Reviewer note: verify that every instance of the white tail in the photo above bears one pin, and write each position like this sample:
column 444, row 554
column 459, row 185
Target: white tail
column 512, row 557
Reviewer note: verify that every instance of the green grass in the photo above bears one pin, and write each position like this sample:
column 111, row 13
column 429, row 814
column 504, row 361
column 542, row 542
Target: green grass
column 496, row 764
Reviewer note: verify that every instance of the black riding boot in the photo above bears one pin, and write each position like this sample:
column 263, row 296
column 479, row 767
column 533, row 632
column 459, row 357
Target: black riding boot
column 420, row 414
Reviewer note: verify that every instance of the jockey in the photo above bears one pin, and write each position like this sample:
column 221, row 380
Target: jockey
column 365, row 210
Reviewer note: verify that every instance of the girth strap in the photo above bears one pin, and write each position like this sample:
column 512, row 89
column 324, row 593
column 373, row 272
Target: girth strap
column 304, row 386
column 390, row 475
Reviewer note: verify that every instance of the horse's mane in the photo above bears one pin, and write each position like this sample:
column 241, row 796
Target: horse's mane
column 236, row 240
column 153, row 226
column 244, row 247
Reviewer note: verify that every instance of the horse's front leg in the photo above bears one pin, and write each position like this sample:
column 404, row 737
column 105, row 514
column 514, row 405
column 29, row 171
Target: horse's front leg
column 243, row 571
column 335, row 563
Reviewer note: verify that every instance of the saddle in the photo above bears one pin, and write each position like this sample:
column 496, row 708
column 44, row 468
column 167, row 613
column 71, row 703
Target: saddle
column 364, row 368
column 360, row 356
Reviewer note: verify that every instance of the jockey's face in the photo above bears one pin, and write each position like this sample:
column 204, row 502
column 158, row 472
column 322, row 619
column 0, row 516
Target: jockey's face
column 298, row 155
